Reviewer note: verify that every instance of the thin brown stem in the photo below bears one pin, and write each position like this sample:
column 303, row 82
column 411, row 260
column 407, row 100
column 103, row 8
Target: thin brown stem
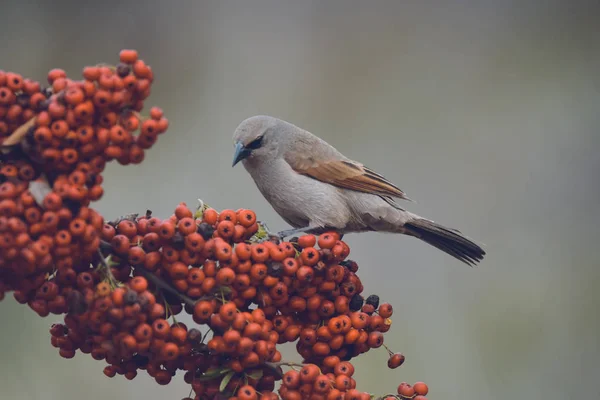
column 162, row 285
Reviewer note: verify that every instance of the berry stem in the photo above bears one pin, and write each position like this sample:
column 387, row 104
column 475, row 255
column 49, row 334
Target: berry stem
column 388, row 349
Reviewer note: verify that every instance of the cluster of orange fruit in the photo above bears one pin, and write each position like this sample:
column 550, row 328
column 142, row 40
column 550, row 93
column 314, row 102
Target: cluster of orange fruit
column 121, row 284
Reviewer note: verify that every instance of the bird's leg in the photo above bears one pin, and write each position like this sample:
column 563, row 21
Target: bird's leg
column 291, row 232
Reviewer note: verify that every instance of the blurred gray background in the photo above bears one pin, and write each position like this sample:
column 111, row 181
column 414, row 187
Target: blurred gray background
column 486, row 113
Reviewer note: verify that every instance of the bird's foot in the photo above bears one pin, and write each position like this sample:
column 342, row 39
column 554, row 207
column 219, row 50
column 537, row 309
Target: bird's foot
column 292, row 232
column 265, row 235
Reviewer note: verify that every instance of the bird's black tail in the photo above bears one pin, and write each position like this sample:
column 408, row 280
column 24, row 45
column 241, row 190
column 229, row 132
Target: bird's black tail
column 448, row 240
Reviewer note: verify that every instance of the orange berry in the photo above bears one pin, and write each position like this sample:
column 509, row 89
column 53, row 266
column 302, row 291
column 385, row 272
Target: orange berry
column 227, row 312
column 149, row 128
column 136, row 154
column 140, row 69
column 260, row 253
column 139, row 284
column 305, row 274
column 161, row 328
column 194, row 242
column 203, row 310
column 225, row 229
column 385, row 310
column 74, row 96
column 228, row 215
column 321, row 349
column 84, row 111
column 327, row 240
column 131, row 122
column 91, row 73
column 128, row 56
column 186, row 226
column 166, row 230
column 182, row 211
column 55, row 74
column 14, row 81
column 162, row 125
column 102, row 98
column 6, row 96
column 225, row 276
column 169, row 352
column 243, row 251
column 344, row 368
column 156, row 113
column 178, row 270
column 291, row 379
column 77, row 227
column 247, row 392
column 309, row 373
column 309, row 256
column 375, row 340
column 223, row 251
column 210, row 216
column 322, row 384
column 59, row 85
column 258, row 272
column 290, row 266
column 421, row 388
column 406, row 390
column 59, row 128
column 127, row 228
column 307, row 241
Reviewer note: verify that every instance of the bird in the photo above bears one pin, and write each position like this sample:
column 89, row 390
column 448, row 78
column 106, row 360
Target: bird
column 316, row 189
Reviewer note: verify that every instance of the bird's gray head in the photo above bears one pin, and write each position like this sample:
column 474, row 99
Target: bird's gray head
column 259, row 138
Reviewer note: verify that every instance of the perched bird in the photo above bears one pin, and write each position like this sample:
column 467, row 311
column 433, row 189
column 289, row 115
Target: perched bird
column 315, row 188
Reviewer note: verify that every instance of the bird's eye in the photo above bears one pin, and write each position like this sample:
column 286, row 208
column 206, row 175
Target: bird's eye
column 255, row 144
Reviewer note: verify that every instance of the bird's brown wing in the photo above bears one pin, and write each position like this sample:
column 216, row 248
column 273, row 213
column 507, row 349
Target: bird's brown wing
column 346, row 174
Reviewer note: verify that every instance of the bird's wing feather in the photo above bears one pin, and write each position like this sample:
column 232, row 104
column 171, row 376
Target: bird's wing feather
column 335, row 169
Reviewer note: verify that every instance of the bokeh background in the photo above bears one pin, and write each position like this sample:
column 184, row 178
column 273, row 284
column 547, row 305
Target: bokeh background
column 485, row 112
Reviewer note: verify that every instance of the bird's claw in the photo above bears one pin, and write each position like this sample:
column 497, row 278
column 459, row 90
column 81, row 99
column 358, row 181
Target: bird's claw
column 266, row 235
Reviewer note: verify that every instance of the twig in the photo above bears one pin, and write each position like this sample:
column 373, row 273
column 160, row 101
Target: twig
column 159, row 283
column 126, row 217
column 276, row 366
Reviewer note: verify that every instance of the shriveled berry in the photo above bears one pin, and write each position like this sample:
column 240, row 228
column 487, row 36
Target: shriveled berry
column 356, row 302
column 395, row 360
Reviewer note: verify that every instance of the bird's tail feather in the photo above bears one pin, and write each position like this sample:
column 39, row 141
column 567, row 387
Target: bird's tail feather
column 448, row 240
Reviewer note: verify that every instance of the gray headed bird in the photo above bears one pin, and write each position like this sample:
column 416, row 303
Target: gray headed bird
column 315, row 188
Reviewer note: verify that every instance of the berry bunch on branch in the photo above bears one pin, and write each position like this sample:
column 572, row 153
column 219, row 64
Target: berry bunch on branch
column 120, row 285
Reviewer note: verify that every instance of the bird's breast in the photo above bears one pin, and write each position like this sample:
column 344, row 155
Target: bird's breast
column 300, row 200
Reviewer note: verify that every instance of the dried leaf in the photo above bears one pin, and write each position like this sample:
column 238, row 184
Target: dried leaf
column 19, row 133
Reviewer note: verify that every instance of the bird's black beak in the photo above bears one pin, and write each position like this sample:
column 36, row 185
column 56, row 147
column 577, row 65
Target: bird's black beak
column 240, row 153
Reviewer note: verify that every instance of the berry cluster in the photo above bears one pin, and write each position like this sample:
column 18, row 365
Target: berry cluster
column 120, row 285
column 55, row 143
